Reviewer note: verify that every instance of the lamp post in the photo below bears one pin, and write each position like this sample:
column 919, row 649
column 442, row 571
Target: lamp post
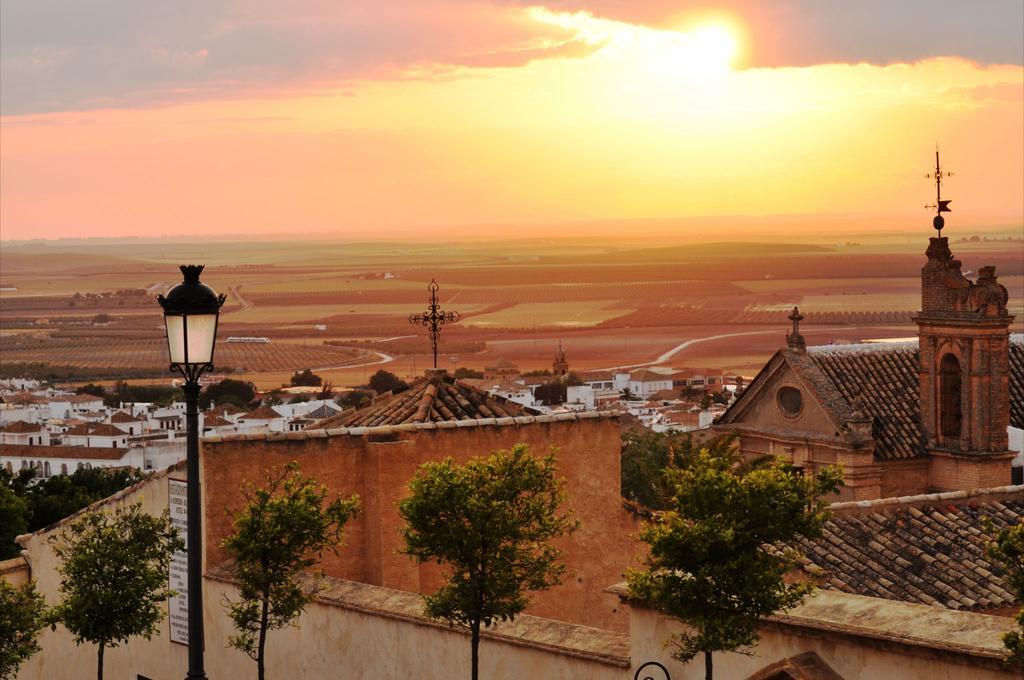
column 191, row 310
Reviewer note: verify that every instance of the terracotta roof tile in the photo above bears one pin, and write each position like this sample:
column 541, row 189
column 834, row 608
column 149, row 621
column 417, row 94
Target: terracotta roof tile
column 262, row 413
column 96, row 430
column 82, row 452
column 20, row 426
column 122, row 417
column 917, row 549
column 436, row 397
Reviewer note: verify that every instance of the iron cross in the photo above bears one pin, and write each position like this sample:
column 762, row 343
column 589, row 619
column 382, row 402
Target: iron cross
column 434, row 318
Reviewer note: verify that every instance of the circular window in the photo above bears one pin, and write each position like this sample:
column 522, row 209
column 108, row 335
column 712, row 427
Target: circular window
column 790, row 400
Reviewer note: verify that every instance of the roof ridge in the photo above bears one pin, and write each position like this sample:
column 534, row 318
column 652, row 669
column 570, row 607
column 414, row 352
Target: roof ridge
column 993, row 493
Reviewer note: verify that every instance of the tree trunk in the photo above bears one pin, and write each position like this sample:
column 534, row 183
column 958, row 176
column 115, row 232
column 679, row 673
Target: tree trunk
column 260, row 666
column 475, row 646
column 99, row 663
column 708, row 670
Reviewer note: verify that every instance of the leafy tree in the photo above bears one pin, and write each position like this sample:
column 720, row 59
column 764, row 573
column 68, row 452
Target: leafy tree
column 155, row 394
column 22, row 616
column 102, row 318
column 539, row 373
column 573, row 379
column 114, row 576
column 489, row 522
column 550, row 393
column 647, row 456
column 355, row 399
column 14, row 515
column 720, row 398
column 93, row 389
column 299, row 399
column 306, row 378
column 281, row 532
column 1009, row 549
column 626, row 395
column 718, row 555
column 51, row 500
column 326, row 391
column 384, row 381
column 462, row 372
column 239, row 392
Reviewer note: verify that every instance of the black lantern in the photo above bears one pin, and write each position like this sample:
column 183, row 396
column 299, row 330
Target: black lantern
column 191, row 310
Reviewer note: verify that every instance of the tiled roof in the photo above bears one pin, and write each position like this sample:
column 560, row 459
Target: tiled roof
column 214, row 420
column 323, row 411
column 930, row 549
column 262, row 413
column 664, row 395
column 63, row 452
column 83, row 398
column 436, row 397
column 20, row 426
column 883, row 384
column 96, row 430
column 647, row 375
column 122, row 417
column 228, row 409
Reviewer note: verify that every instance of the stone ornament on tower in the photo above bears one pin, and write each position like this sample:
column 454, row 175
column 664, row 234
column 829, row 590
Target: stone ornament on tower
column 795, row 341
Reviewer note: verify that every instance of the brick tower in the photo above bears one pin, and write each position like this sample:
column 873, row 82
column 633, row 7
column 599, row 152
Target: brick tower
column 963, row 330
column 560, row 366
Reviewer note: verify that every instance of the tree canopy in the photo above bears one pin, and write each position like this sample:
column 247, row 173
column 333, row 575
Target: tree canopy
column 1009, row 549
column 22, row 616
column 306, row 378
column 238, row 392
column 114, row 575
column 384, row 381
column 648, row 455
column 489, row 524
column 281, row 532
column 719, row 553
column 28, row 504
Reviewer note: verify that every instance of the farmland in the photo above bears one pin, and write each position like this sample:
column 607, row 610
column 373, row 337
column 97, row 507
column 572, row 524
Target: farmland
column 344, row 308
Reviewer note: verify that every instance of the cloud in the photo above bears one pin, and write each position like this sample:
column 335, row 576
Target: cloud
column 58, row 55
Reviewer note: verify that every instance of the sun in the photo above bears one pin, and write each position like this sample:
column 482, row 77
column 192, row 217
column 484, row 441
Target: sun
column 713, row 47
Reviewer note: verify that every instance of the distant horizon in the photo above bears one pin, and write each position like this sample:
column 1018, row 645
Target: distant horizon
column 447, row 118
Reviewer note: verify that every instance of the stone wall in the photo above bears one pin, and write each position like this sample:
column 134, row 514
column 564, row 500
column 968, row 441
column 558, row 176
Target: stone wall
column 377, row 463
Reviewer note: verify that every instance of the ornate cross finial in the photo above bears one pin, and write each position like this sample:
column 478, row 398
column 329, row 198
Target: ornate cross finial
column 794, row 340
column 940, row 205
column 433, row 318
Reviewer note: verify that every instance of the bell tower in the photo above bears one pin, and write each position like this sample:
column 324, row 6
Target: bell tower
column 560, row 366
column 964, row 337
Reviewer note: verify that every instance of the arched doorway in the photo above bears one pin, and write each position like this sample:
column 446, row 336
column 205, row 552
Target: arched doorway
column 950, row 413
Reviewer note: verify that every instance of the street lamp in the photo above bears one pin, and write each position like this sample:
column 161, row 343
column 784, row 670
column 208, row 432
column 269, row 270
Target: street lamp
column 191, row 310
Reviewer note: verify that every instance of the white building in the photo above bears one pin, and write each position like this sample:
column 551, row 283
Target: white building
column 102, row 435
column 24, row 433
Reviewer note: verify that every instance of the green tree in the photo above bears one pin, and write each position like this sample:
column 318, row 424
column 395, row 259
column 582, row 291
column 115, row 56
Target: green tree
column 647, row 456
column 306, row 378
column 462, row 372
column 238, row 392
column 93, row 389
column 626, row 395
column 384, row 381
column 14, row 517
column 1009, row 549
column 114, row 576
column 281, row 532
column 355, row 399
column 550, row 393
column 718, row 555
column 22, row 616
column 489, row 523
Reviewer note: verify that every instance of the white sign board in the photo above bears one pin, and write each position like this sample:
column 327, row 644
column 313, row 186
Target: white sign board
column 177, row 606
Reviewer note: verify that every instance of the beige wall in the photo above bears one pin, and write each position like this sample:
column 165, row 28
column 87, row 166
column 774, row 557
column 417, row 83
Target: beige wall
column 332, row 641
column 855, row 649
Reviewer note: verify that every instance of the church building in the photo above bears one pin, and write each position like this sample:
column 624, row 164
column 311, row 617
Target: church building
column 901, row 418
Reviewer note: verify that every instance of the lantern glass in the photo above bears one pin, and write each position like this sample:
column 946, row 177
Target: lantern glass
column 190, row 337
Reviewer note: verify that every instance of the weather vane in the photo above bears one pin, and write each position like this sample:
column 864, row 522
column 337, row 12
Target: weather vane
column 434, row 318
column 940, row 205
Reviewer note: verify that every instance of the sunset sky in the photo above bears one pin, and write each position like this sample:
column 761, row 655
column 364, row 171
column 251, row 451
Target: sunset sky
column 377, row 119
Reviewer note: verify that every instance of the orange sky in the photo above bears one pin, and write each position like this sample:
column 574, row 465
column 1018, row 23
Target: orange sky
column 593, row 118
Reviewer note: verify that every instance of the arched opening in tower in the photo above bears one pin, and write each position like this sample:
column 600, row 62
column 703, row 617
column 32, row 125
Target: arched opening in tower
column 950, row 414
